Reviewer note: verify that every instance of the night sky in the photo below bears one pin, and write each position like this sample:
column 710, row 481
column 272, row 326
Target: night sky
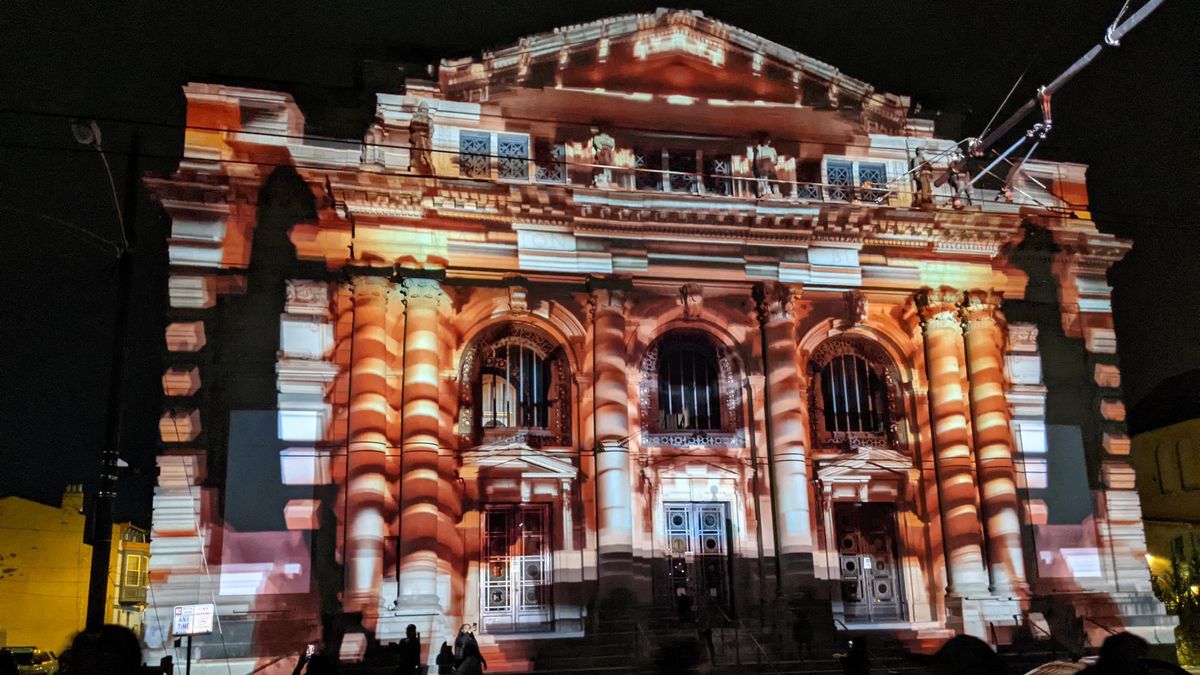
column 1132, row 116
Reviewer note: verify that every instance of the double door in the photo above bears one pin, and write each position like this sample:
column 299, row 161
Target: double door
column 698, row 554
column 866, row 542
column 516, row 575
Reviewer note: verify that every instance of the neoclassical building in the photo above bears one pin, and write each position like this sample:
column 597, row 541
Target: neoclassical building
column 638, row 307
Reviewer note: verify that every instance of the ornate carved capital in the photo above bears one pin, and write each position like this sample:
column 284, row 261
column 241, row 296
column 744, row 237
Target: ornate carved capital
column 370, row 287
column 938, row 308
column 691, row 297
column 305, row 296
column 774, row 302
column 422, row 292
column 981, row 308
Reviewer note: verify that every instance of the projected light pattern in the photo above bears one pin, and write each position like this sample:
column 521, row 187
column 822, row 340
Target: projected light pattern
column 502, row 287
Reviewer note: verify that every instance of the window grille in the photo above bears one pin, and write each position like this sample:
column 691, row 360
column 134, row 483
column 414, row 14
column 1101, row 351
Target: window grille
column 516, row 383
column 648, row 165
column 513, row 157
column 853, row 396
column 550, row 162
column 718, row 173
column 688, row 389
column 682, row 167
column 839, row 176
column 872, row 177
column 473, row 150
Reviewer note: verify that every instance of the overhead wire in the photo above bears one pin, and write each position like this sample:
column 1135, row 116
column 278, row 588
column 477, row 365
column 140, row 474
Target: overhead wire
column 1116, row 216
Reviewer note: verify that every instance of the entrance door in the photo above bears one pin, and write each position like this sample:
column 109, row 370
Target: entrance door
column 698, row 551
column 516, row 574
column 866, row 535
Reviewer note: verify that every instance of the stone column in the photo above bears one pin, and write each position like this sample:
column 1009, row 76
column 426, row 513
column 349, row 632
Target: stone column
column 957, row 492
column 420, row 479
column 613, row 483
column 994, row 444
column 366, row 481
column 787, row 435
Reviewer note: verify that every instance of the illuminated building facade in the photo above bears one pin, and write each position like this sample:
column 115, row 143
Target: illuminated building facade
column 639, row 305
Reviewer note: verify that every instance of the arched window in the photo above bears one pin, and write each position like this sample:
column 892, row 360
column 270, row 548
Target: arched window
column 850, row 396
column 690, row 393
column 514, row 388
column 853, row 395
column 688, row 390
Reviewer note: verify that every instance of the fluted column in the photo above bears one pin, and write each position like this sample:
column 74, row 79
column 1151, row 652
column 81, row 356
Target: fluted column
column 785, row 442
column 994, row 445
column 419, row 480
column 366, row 480
column 962, row 530
column 613, row 484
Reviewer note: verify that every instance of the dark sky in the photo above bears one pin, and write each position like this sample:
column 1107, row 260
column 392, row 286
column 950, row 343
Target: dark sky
column 1132, row 116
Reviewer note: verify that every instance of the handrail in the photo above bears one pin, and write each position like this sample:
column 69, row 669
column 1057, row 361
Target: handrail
column 839, row 622
column 1108, row 630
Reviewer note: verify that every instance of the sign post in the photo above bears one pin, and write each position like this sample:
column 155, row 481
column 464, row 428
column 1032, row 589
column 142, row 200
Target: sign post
column 192, row 620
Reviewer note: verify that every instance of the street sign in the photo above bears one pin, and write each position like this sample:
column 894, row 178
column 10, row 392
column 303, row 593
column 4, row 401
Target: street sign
column 193, row 619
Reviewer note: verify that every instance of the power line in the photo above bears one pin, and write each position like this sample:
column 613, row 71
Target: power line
column 1115, row 217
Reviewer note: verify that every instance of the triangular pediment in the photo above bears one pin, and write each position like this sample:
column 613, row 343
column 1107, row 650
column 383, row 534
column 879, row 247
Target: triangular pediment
column 517, row 458
column 669, row 53
column 867, row 461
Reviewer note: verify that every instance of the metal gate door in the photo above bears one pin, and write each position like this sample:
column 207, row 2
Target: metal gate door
column 516, row 574
column 698, row 550
column 867, row 556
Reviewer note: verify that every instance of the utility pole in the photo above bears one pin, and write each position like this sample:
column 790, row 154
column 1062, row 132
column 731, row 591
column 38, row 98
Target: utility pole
column 106, row 493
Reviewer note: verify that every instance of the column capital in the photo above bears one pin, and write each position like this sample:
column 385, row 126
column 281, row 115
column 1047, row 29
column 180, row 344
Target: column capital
column 422, row 291
column 980, row 308
column 363, row 286
column 775, row 302
column 938, row 308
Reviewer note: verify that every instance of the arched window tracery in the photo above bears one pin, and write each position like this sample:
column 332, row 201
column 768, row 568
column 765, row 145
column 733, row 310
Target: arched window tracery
column 690, row 393
column 514, row 388
column 852, row 395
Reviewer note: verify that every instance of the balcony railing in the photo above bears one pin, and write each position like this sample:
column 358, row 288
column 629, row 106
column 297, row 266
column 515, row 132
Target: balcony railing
column 551, row 167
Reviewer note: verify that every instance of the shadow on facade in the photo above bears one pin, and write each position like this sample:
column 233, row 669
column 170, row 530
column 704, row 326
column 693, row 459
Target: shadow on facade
column 1074, row 432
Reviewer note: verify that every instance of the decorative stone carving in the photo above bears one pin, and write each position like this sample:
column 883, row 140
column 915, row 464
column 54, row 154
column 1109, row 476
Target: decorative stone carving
column 420, row 139
column 518, row 302
column 774, row 302
column 606, row 300
column 858, row 306
column 1022, row 337
column 422, row 291
column 691, row 297
column 304, row 296
column 938, row 308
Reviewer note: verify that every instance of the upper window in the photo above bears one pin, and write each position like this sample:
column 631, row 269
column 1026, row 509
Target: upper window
column 850, row 395
column 688, row 390
column 514, row 388
column 690, row 393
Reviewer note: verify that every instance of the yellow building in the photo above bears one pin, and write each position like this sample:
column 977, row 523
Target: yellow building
column 44, row 569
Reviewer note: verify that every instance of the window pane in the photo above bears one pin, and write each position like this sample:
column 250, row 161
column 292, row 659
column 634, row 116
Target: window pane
column 513, row 156
column 473, row 149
